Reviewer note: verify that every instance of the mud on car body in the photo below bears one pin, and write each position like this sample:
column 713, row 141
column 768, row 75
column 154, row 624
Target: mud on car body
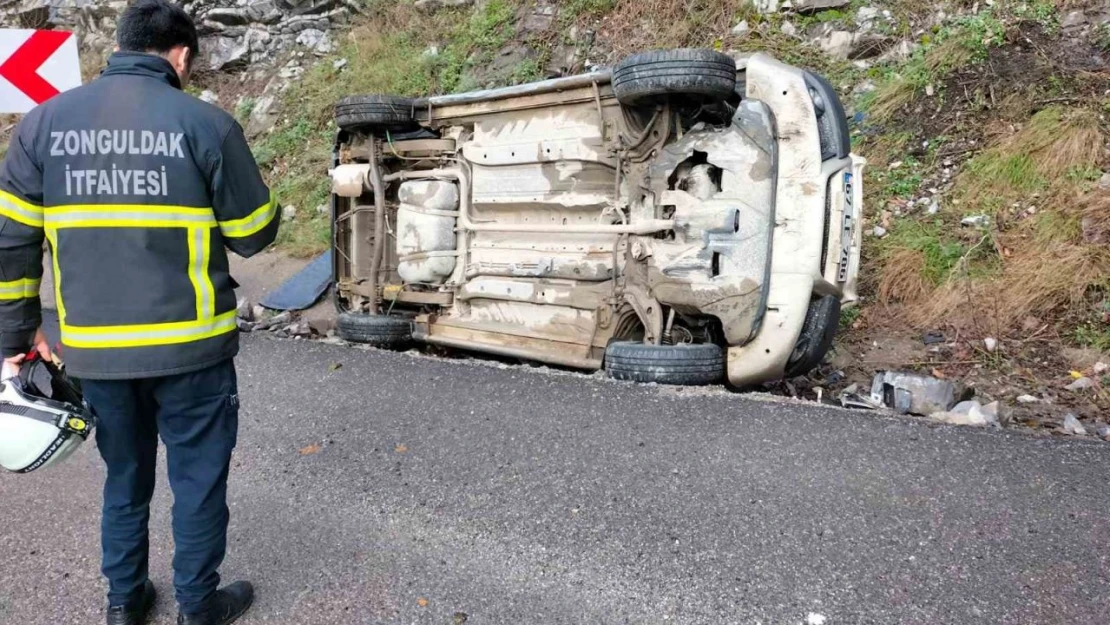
column 684, row 218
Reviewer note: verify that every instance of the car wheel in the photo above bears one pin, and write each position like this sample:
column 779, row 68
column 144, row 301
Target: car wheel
column 376, row 330
column 822, row 320
column 706, row 75
column 688, row 365
column 372, row 112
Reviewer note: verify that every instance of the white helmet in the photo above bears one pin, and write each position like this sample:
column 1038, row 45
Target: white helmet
column 36, row 429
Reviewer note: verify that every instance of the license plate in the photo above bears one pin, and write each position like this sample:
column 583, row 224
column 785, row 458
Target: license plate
column 848, row 227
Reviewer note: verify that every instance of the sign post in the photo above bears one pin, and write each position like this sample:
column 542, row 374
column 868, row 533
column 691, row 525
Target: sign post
column 36, row 65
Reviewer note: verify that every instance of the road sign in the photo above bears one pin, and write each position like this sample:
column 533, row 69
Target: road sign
column 36, row 65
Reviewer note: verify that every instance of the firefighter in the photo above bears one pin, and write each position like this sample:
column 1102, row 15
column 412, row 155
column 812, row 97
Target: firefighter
column 139, row 188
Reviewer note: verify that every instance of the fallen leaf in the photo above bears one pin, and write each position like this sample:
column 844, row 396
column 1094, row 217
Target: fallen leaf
column 422, row 602
column 400, row 449
column 311, row 449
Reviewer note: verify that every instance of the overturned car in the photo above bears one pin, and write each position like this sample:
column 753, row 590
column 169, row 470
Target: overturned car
column 685, row 218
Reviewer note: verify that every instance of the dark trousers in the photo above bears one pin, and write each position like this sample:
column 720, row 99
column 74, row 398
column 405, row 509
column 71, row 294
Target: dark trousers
column 197, row 415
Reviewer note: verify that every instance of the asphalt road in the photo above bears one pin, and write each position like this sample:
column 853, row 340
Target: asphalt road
column 515, row 496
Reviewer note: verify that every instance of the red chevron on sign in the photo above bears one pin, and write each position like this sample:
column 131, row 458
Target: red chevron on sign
column 21, row 68
column 35, row 65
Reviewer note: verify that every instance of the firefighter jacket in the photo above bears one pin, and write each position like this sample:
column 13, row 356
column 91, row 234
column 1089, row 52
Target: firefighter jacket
column 138, row 188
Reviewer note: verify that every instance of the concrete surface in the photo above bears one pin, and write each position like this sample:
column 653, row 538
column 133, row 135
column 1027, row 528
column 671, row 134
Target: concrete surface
column 430, row 489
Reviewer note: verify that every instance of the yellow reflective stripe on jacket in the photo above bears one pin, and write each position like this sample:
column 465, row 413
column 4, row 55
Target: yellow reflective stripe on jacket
column 197, row 223
column 19, row 289
column 147, row 334
column 128, row 216
column 246, row 226
column 199, row 251
column 20, row 210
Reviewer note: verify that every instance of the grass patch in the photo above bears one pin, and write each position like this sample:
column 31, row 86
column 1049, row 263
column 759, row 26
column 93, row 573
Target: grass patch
column 1056, row 152
column 1093, row 335
column 966, row 42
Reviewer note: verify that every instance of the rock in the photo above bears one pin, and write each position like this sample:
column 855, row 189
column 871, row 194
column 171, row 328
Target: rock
column 814, row 618
column 1100, row 368
column 258, row 313
column 339, row 64
column 741, row 30
column 243, row 310
column 879, row 231
column 869, row 46
column 209, row 97
column 977, row 221
column 902, row 51
column 991, row 344
column 866, row 15
column 224, row 53
column 1092, row 231
column 812, row 6
column 1081, row 384
column 1103, row 432
column 1104, row 182
column 322, row 327
column 435, row 5
column 969, row 413
column 262, row 118
column 916, row 394
column 765, row 6
column 228, row 16
column 1027, row 399
column 934, row 207
column 318, row 40
column 932, row 337
column 1073, row 20
column 244, row 326
column 789, row 29
column 1073, row 426
column 288, row 212
column 837, row 44
column 299, row 328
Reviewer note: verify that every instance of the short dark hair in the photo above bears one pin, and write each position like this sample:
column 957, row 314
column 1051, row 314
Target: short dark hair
column 156, row 26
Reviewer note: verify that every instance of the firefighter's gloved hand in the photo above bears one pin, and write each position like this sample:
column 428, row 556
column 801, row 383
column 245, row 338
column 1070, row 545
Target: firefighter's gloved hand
column 10, row 367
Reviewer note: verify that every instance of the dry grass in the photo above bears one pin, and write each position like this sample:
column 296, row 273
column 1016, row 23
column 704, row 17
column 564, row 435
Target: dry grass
column 1040, row 156
column 903, row 277
column 635, row 25
column 930, row 67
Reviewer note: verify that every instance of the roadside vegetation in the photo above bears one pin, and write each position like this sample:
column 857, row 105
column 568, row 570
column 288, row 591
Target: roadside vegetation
column 984, row 124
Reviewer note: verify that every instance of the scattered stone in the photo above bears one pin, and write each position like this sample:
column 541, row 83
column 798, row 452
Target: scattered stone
column 1081, row 384
column 1104, row 182
column 934, row 207
column 1103, row 432
column 789, row 29
column 288, row 212
column 209, row 97
column 879, row 232
column 1100, row 368
column 224, row 53
column 1027, row 399
column 1073, row 426
column 243, row 310
column 930, row 90
column 814, row 618
column 244, row 325
column 812, row 6
column 258, row 313
column 969, row 413
column 866, row 15
column 838, row 44
column 991, row 344
column 742, row 29
column 902, row 51
column 766, row 6
column 339, row 64
column 932, row 337
column 323, row 209
column 1073, row 20
column 916, row 394
column 299, row 328
column 977, row 221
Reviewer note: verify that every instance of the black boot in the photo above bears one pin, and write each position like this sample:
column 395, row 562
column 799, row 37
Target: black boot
column 222, row 608
column 135, row 611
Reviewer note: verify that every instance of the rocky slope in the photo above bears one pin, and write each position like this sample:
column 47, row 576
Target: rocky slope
column 988, row 209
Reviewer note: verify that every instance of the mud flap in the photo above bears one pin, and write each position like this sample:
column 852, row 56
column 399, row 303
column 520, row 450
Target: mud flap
column 822, row 320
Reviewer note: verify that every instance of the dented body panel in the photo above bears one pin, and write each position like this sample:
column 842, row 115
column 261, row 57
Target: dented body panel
column 546, row 220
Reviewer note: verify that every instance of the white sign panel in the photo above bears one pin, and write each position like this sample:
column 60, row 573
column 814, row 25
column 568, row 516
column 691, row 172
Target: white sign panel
column 36, row 65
